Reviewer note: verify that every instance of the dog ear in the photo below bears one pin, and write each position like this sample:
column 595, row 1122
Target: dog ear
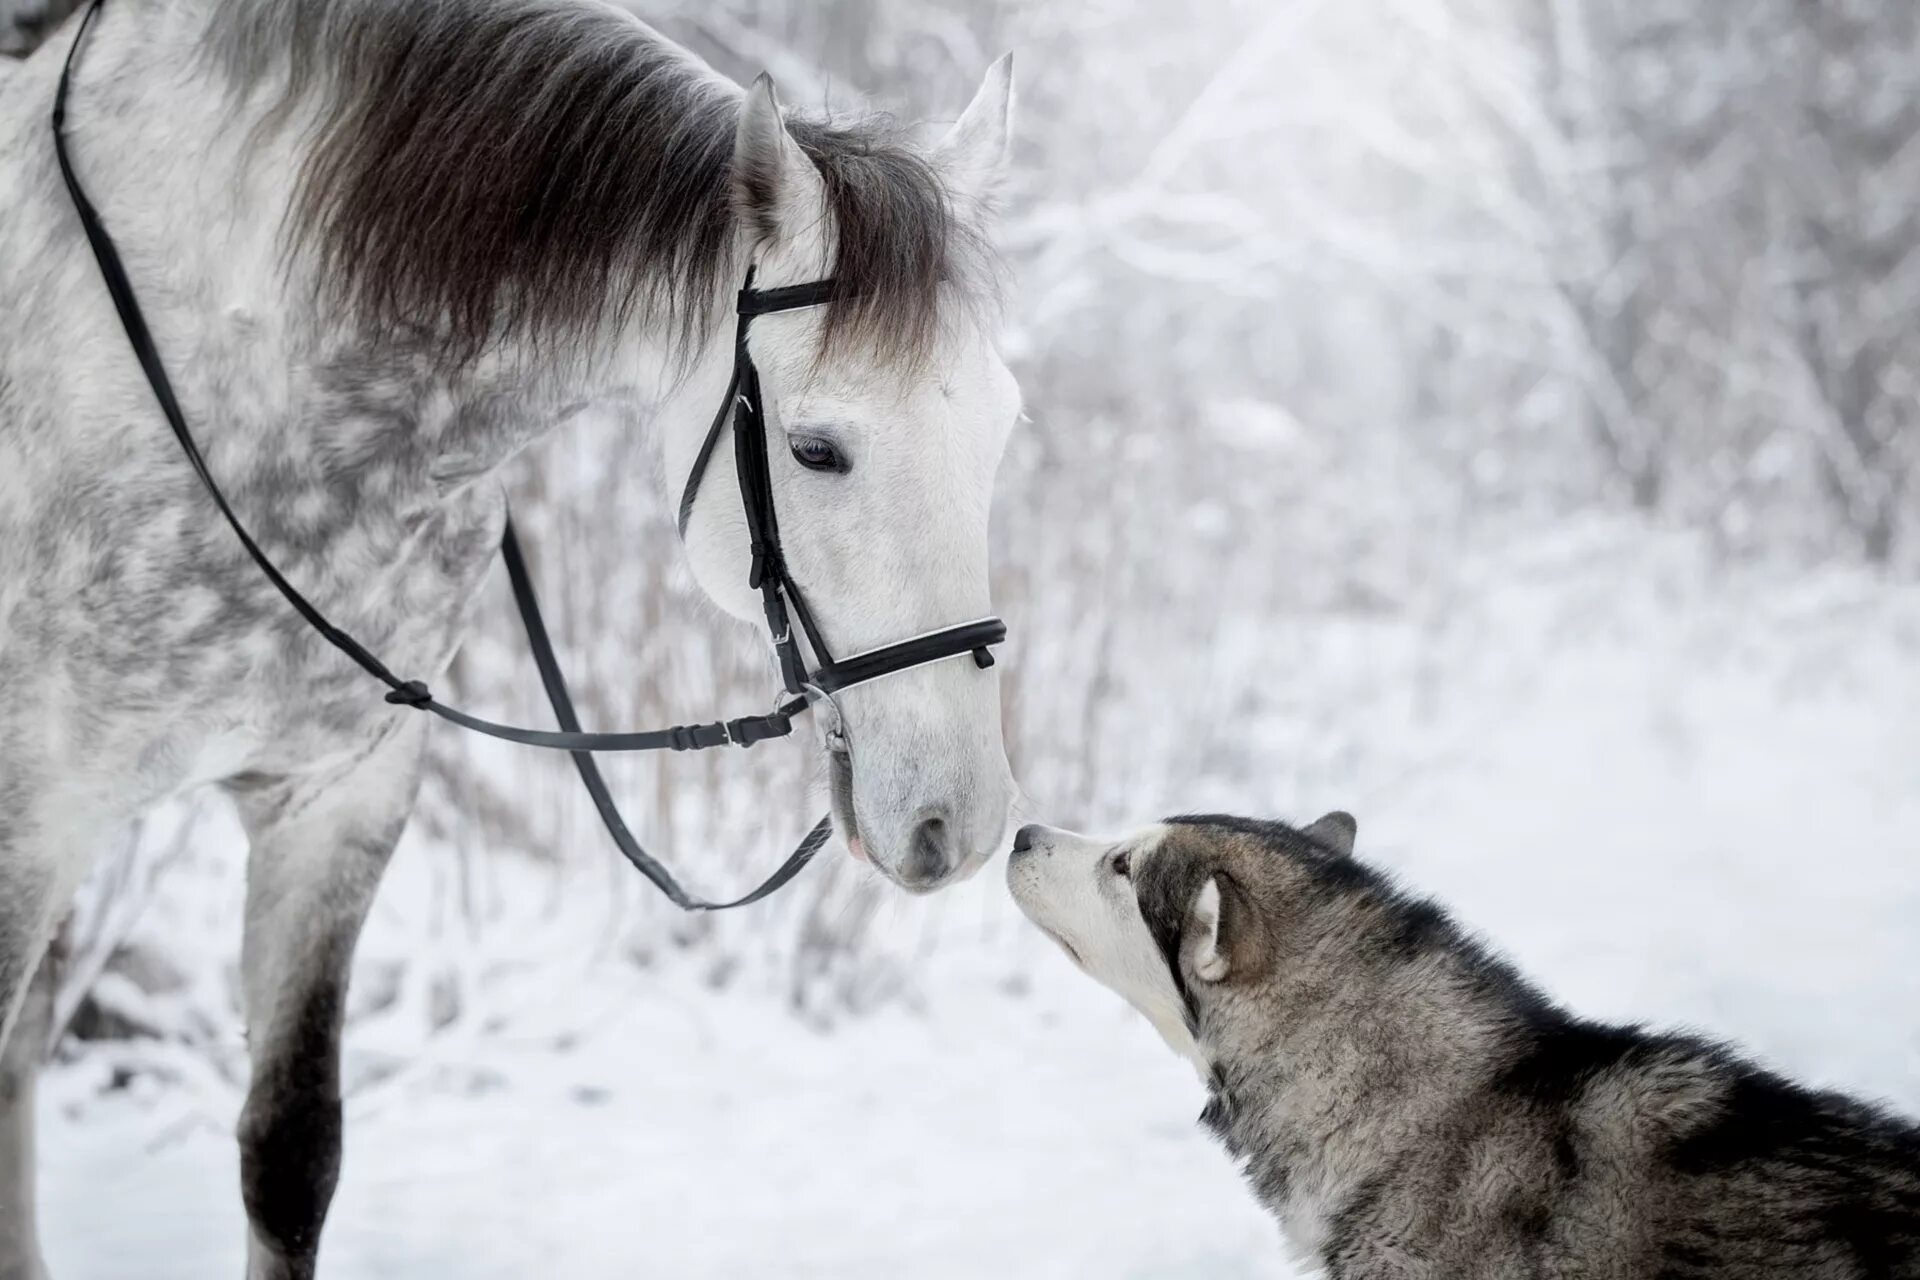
column 1209, row 953
column 1221, row 939
column 1334, row 832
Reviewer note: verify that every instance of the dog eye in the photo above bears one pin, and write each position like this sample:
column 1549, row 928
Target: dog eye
column 1122, row 865
column 816, row 453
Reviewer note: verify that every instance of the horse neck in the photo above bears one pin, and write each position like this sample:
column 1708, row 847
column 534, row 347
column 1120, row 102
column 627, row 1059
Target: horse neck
column 194, row 185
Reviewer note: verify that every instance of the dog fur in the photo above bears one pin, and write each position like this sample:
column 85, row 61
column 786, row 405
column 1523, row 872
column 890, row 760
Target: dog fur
column 1408, row 1106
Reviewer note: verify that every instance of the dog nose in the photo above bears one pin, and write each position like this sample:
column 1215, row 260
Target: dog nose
column 1023, row 838
column 930, row 851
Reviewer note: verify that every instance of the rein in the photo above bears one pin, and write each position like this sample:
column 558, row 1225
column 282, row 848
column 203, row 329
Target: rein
column 769, row 575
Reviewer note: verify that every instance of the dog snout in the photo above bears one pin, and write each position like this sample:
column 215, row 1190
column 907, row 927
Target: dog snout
column 1026, row 837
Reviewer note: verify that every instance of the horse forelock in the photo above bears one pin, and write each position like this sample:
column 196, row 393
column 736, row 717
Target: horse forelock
column 490, row 171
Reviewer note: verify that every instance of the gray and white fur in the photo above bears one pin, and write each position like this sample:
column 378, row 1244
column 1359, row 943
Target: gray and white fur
column 25, row 24
column 1408, row 1106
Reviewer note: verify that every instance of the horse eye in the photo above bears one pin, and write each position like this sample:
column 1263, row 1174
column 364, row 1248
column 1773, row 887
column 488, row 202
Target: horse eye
column 816, row 453
column 1122, row 865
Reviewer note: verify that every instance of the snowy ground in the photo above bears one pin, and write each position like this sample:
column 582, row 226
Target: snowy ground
column 1018, row 1137
column 1668, row 792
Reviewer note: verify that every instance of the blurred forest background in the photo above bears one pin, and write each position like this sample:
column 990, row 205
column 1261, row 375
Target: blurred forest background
column 1317, row 306
column 1497, row 417
column 1314, row 302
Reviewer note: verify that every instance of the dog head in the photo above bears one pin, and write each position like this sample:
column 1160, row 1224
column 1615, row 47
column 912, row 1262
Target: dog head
column 1181, row 914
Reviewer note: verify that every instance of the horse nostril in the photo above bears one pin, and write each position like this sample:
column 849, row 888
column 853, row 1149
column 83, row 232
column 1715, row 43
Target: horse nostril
column 930, row 855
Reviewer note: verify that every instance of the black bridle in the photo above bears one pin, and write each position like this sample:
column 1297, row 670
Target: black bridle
column 769, row 573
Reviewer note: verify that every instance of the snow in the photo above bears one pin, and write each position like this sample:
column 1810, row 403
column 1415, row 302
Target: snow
column 689, row 1136
column 1671, row 790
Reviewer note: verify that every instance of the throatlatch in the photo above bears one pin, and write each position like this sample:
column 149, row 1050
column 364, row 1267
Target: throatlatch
column 768, row 572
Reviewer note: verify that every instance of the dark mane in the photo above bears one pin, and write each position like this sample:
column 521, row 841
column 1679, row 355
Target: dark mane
column 532, row 169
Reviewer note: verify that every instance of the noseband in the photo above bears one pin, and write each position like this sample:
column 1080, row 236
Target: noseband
column 768, row 572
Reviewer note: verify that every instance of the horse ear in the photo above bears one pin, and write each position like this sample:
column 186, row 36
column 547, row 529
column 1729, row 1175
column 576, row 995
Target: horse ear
column 774, row 184
column 1335, row 832
column 973, row 155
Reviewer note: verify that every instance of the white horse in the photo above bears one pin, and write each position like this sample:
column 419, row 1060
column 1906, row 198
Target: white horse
column 382, row 248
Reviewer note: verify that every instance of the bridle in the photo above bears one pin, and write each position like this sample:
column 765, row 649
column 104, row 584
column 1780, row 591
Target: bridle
column 768, row 574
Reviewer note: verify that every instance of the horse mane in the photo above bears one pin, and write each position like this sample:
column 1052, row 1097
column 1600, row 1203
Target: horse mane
column 485, row 170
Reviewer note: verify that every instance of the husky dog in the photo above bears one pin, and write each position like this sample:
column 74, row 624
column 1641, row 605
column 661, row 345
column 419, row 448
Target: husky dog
column 1408, row 1106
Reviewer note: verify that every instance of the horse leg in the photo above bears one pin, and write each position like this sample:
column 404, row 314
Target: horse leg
column 319, row 845
column 46, row 840
column 21, row 1053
